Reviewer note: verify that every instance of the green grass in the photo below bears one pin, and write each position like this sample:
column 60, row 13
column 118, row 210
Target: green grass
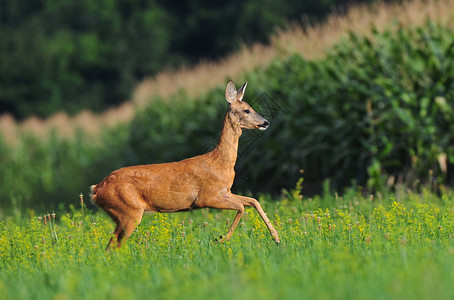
column 399, row 247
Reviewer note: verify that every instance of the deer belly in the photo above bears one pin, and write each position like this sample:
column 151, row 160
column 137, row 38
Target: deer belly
column 172, row 201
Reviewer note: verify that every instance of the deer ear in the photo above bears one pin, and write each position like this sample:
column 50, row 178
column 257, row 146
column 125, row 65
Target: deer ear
column 230, row 92
column 241, row 91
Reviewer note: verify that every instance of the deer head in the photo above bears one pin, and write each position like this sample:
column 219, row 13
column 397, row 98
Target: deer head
column 240, row 113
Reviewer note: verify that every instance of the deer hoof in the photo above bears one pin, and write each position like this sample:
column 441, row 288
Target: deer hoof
column 219, row 240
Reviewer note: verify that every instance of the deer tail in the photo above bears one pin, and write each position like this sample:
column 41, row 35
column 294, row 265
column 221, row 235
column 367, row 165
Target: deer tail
column 93, row 192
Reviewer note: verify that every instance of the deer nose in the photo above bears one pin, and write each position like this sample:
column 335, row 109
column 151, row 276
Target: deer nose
column 264, row 125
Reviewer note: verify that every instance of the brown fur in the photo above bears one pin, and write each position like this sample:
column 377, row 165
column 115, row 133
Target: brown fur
column 196, row 182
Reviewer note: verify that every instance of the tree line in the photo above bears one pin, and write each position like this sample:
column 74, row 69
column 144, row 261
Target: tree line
column 68, row 55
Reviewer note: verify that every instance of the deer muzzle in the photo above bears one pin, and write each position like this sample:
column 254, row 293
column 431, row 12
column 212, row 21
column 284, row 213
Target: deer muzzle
column 264, row 125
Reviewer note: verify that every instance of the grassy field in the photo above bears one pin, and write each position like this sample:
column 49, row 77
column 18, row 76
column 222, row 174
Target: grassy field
column 396, row 247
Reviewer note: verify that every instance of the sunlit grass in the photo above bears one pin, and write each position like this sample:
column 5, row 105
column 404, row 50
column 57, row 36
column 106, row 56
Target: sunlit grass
column 359, row 247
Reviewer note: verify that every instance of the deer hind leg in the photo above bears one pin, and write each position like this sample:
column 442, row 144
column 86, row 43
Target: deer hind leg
column 125, row 222
column 125, row 207
column 252, row 202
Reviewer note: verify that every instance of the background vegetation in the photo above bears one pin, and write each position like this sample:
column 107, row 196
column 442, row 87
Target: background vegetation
column 375, row 112
column 74, row 55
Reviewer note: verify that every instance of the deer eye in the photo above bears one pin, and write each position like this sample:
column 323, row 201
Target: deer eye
column 247, row 111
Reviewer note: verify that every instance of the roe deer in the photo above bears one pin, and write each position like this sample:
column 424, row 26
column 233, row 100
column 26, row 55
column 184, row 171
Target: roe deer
column 196, row 182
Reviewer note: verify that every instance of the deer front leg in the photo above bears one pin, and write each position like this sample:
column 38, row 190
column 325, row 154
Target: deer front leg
column 226, row 202
column 234, row 224
column 235, row 202
column 252, row 202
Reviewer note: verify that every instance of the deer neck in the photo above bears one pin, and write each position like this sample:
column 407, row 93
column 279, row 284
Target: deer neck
column 227, row 149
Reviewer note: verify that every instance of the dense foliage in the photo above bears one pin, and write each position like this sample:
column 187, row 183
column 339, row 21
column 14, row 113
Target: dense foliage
column 375, row 111
column 375, row 107
column 350, row 247
column 75, row 55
